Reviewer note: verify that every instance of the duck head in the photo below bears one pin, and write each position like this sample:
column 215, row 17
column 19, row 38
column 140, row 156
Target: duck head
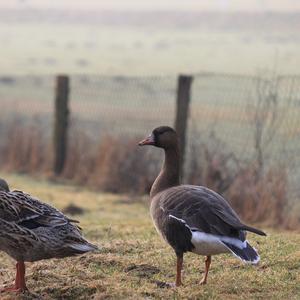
column 3, row 185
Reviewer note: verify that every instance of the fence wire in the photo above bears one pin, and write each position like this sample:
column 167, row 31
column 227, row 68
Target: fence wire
column 122, row 105
column 253, row 120
column 248, row 118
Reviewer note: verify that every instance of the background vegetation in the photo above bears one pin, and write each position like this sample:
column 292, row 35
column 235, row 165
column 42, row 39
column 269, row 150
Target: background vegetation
column 242, row 137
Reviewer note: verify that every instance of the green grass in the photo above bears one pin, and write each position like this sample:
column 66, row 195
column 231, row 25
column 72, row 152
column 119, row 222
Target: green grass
column 133, row 260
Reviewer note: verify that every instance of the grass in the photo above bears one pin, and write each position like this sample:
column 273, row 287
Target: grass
column 133, row 262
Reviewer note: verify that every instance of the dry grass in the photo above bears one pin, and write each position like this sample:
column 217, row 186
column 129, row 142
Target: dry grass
column 261, row 199
column 112, row 164
column 25, row 149
column 264, row 200
column 133, row 261
column 115, row 164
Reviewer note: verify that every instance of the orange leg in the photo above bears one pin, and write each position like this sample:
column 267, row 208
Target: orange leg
column 20, row 285
column 179, row 269
column 207, row 265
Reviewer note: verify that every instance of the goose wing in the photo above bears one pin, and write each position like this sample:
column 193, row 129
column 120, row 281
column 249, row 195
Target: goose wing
column 202, row 209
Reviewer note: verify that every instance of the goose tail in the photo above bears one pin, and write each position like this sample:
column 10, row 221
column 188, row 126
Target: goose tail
column 252, row 229
column 246, row 253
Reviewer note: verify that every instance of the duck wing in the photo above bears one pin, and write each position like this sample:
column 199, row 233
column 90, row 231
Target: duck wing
column 23, row 209
column 31, row 230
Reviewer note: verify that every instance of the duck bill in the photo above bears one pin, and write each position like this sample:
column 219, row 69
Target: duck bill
column 147, row 141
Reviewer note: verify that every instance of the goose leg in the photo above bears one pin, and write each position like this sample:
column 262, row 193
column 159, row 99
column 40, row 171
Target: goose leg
column 207, row 265
column 179, row 269
column 20, row 285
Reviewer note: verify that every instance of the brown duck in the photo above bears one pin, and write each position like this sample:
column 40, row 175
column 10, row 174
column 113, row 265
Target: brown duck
column 193, row 218
column 31, row 230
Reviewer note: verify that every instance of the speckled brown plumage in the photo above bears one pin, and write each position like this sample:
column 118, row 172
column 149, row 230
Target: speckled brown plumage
column 31, row 230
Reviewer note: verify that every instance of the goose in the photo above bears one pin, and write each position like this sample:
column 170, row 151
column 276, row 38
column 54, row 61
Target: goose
column 31, row 230
column 193, row 218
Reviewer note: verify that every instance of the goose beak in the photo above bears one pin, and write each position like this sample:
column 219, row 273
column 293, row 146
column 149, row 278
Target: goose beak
column 148, row 141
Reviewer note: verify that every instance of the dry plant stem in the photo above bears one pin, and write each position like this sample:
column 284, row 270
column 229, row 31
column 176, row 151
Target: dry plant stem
column 207, row 265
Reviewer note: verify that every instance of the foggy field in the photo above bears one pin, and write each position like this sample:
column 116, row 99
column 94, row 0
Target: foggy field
column 219, row 101
column 146, row 43
column 133, row 262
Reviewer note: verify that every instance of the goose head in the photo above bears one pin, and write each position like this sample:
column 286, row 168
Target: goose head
column 162, row 137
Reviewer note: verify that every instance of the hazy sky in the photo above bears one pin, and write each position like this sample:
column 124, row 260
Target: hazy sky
column 227, row 5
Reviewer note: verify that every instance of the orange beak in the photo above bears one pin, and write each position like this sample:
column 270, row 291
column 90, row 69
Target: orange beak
column 147, row 141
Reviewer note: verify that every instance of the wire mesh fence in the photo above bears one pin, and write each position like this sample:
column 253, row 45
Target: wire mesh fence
column 122, row 105
column 254, row 118
column 234, row 121
column 230, row 107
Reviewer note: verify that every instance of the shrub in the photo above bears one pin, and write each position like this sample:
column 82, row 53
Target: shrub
column 115, row 164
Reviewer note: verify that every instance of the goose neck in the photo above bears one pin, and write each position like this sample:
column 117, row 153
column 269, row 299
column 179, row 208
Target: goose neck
column 169, row 174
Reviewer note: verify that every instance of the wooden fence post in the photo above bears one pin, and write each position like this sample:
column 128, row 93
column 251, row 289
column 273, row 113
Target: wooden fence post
column 61, row 122
column 182, row 109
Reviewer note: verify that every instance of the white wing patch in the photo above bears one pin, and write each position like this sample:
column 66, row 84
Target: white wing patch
column 211, row 244
column 178, row 219
column 233, row 241
column 207, row 244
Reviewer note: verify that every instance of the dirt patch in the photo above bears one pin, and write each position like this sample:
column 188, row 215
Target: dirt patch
column 73, row 209
column 142, row 271
column 98, row 260
column 162, row 284
column 69, row 292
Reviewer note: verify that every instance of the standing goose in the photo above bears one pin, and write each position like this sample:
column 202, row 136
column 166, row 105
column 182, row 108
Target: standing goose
column 193, row 218
column 31, row 230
